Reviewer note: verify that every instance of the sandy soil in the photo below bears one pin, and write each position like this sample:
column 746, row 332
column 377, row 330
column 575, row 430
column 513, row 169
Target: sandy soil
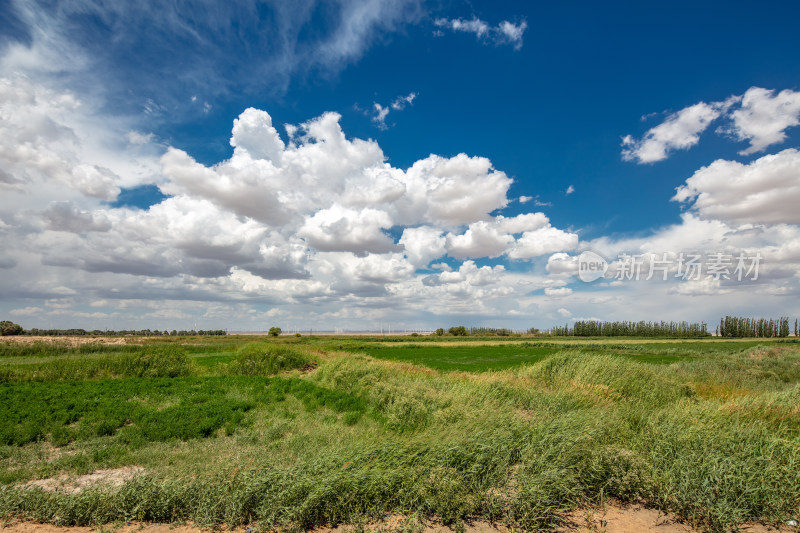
column 614, row 518
column 114, row 477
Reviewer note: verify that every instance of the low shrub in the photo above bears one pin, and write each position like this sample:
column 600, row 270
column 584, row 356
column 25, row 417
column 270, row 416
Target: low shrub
column 268, row 359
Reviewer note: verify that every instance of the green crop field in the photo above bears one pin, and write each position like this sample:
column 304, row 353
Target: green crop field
column 293, row 432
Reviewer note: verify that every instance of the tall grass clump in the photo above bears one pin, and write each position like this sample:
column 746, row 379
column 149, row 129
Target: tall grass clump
column 269, row 359
column 57, row 349
column 610, row 377
column 716, row 470
column 147, row 362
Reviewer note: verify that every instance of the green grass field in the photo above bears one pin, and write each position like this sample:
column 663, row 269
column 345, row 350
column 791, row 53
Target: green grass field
column 301, row 432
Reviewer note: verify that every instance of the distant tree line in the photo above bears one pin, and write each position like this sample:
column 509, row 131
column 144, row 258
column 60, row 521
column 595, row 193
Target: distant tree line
column 461, row 331
column 596, row 328
column 500, row 332
column 734, row 326
column 133, row 332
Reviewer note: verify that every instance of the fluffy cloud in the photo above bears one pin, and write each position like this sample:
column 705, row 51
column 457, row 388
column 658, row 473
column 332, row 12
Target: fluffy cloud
column 25, row 311
column 321, row 178
column 310, row 219
column 64, row 216
column 521, row 223
column 383, row 268
column 312, row 225
column 543, row 241
column 558, row 292
column 704, row 298
column 562, row 263
column 38, row 144
column 496, row 237
column 680, row 131
column 453, row 191
column 766, row 191
column 54, row 147
column 467, row 274
column 700, row 287
column 249, row 190
column 764, row 116
column 253, row 134
column 340, row 229
column 179, row 236
column 423, row 244
column 512, row 33
column 760, row 117
column 480, row 240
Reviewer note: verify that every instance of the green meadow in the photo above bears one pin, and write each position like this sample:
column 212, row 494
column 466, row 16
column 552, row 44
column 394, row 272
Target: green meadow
column 299, row 432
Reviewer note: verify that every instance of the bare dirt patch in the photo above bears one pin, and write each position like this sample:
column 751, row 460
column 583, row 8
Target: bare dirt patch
column 113, row 477
column 620, row 518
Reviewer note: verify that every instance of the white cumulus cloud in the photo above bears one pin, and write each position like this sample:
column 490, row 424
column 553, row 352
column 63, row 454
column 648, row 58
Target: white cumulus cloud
column 764, row 117
column 543, row 241
column 340, row 229
column 765, row 191
column 423, row 244
column 558, row 292
column 311, row 223
column 680, row 131
column 760, row 116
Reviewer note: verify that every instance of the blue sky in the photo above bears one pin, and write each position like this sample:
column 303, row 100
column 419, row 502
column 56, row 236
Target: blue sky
column 124, row 204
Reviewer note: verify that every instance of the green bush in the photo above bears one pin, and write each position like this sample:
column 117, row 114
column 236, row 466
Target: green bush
column 268, row 359
column 458, row 331
column 10, row 328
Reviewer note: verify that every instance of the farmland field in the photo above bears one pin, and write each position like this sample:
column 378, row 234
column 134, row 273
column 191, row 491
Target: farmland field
column 297, row 432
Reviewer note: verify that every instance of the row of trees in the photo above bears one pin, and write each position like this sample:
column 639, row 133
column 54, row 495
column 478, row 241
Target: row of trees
column 455, row 331
column 596, row 328
column 734, row 326
column 500, row 332
column 138, row 333
column 461, row 331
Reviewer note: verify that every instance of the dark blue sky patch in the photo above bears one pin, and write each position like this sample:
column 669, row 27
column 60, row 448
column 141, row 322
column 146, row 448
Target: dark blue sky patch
column 140, row 197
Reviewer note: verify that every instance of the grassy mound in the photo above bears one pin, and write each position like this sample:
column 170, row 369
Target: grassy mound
column 269, row 359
